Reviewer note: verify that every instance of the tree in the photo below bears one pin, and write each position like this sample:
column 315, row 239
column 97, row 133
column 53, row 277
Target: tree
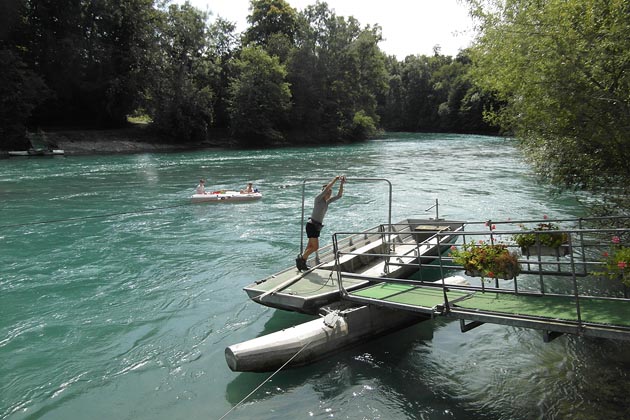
column 224, row 44
column 337, row 72
column 21, row 90
column 91, row 55
column 562, row 69
column 181, row 97
column 259, row 97
column 273, row 25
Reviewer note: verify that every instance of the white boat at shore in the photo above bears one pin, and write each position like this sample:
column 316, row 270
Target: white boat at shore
column 225, row 196
column 37, row 152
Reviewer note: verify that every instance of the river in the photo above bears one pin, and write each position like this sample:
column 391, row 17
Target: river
column 118, row 297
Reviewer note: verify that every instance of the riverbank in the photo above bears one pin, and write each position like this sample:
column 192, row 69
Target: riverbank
column 137, row 138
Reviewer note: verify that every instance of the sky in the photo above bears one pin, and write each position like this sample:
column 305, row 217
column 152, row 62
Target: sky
column 409, row 26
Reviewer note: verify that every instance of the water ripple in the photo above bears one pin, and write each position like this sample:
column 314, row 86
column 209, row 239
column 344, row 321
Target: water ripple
column 127, row 315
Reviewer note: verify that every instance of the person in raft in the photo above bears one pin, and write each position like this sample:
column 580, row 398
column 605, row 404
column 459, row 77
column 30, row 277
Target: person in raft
column 201, row 189
column 249, row 189
column 314, row 224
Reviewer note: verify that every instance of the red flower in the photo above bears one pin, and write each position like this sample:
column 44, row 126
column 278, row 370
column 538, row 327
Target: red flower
column 605, row 254
column 621, row 264
column 615, row 239
column 545, row 217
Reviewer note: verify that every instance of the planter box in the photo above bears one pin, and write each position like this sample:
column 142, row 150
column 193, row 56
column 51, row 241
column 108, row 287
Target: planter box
column 475, row 273
column 545, row 251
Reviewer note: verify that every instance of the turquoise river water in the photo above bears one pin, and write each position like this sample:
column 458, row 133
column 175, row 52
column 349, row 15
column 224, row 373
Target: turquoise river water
column 118, row 297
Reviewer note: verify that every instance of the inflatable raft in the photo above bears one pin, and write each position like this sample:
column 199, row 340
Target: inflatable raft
column 224, row 196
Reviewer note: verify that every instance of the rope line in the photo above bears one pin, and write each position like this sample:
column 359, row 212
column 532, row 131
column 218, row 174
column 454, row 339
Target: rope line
column 96, row 216
column 265, row 381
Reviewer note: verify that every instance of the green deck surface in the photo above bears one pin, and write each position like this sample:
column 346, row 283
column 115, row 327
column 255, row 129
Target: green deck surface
column 426, row 297
column 306, row 284
column 597, row 311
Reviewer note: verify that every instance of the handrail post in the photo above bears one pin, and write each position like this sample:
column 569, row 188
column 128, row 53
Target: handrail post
column 439, row 249
column 575, row 286
column 336, row 252
column 437, row 211
column 302, row 218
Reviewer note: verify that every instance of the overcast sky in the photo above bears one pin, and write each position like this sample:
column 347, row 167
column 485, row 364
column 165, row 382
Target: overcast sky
column 409, row 26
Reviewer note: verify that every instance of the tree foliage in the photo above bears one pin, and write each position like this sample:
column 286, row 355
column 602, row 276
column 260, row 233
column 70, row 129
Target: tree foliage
column 273, row 26
column 336, row 72
column 292, row 76
column 434, row 93
column 181, row 94
column 259, row 97
column 562, row 69
column 90, row 54
column 21, row 90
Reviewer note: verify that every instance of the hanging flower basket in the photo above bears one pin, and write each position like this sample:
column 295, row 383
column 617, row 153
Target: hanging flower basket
column 543, row 241
column 546, row 251
column 483, row 259
column 616, row 263
column 507, row 275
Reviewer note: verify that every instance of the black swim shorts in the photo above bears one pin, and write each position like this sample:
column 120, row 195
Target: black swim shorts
column 312, row 230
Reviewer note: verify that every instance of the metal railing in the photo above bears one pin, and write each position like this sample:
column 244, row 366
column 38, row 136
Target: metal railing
column 399, row 247
column 580, row 256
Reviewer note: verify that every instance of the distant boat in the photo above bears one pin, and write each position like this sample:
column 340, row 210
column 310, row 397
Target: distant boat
column 225, row 196
column 37, row 152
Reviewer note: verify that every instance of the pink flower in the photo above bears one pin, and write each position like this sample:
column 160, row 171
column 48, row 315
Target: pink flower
column 621, row 264
column 545, row 217
column 453, row 248
column 615, row 239
column 485, row 224
column 493, row 227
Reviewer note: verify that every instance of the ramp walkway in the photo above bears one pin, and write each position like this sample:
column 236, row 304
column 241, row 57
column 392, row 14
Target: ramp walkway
column 571, row 291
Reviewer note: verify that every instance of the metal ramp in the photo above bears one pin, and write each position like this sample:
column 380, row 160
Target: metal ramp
column 557, row 292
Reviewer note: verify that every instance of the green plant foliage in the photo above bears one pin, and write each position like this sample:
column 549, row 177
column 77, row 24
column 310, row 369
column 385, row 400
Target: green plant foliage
column 268, row 19
column 20, row 92
column 336, row 72
column 363, row 125
column 542, row 234
column 487, row 259
column 323, row 77
column 259, row 97
column 561, row 69
column 617, row 262
column 180, row 96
